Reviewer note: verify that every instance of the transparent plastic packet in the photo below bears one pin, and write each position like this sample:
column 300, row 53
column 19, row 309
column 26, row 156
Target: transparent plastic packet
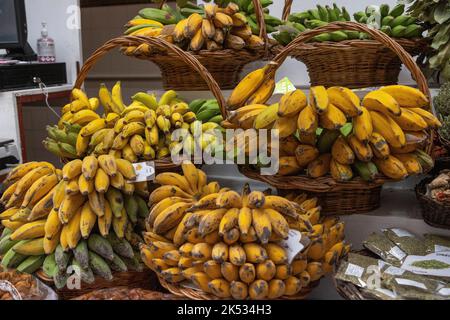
column 356, row 269
column 385, row 249
column 417, row 287
column 436, row 243
column 15, row 285
column 405, row 240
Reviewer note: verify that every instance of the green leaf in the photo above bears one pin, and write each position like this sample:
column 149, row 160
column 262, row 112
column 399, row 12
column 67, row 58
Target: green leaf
column 437, row 61
column 441, row 37
column 442, row 13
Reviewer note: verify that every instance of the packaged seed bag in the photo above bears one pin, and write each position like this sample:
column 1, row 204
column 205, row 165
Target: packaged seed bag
column 436, row 243
column 357, row 269
column 413, row 286
column 406, row 241
column 385, row 249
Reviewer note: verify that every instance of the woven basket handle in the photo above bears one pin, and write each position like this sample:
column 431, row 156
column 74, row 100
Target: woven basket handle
column 377, row 35
column 287, row 9
column 188, row 58
column 259, row 18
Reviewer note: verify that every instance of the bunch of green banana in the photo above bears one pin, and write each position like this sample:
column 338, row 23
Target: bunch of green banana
column 206, row 110
column 61, row 142
column 95, row 256
column 394, row 22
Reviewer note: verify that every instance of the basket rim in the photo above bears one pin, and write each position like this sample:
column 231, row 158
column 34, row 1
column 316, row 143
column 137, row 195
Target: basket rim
column 359, row 44
column 200, row 295
column 323, row 184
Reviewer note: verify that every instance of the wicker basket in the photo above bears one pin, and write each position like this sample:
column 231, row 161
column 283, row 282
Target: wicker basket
column 335, row 198
column 356, row 196
column 194, row 294
column 181, row 56
column 224, row 65
column 436, row 214
column 132, row 279
column 352, row 63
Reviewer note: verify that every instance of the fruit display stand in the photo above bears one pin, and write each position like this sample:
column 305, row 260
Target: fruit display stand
column 224, row 65
column 189, row 61
column 355, row 196
column 352, row 63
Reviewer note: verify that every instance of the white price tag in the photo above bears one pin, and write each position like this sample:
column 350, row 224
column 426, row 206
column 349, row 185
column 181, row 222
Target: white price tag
column 398, row 253
column 394, row 271
column 438, row 248
column 402, row 233
column 411, row 283
column 293, row 244
column 444, row 292
column 284, row 86
column 417, row 264
column 354, row 270
column 145, row 171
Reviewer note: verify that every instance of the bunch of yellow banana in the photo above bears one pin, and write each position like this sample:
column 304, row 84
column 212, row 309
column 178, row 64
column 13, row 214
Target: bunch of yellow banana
column 388, row 128
column 143, row 130
column 47, row 207
column 28, row 184
column 327, row 236
column 224, row 244
column 219, row 28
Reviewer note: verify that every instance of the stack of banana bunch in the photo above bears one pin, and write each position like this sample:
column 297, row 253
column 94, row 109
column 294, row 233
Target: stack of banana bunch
column 48, row 209
column 393, row 22
column 140, row 131
column 337, row 132
column 211, row 28
column 227, row 243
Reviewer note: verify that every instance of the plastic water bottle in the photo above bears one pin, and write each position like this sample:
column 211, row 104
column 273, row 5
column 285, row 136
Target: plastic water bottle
column 46, row 46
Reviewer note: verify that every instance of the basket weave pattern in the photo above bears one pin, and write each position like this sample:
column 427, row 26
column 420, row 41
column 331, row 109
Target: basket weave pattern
column 436, row 214
column 352, row 63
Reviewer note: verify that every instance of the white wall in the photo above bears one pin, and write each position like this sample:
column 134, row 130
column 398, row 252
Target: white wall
column 67, row 40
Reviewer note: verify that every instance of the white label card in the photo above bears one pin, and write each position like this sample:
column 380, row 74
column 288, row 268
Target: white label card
column 394, row 271
column 402, row 233
column 438, row 248
column 441, row 259
column 354, row 270
column 293, row 244
column 284, row 86
column 411, row 283
column 145, row 171
column 398, row 253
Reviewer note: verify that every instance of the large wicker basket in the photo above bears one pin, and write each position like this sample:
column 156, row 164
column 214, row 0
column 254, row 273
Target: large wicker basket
column 434, row 213
column 131, row 279
column 181, row 56
column 352, row 63
column 356, row 196
column 224, row 65
column 194, row 294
